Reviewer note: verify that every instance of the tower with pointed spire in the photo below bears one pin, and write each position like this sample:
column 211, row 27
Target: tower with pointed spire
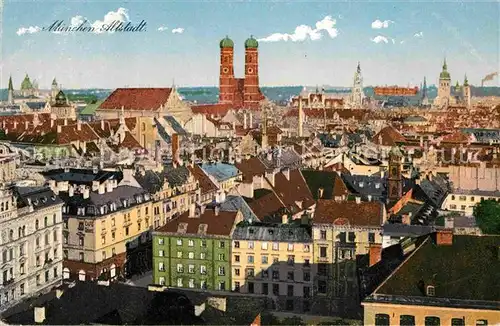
column 54, row 89
column 10, row 98
column 444, row 90
column 466, row 92
column 357, row 95
column 425, row 100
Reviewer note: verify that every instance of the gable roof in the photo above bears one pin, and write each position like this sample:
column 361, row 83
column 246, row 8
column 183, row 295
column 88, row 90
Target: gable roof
column 355, row 214
column 206, row 184
column 331, row 182
column 388, row 136
column 147, row 99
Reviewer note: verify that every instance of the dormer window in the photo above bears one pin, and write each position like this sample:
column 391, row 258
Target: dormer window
column 81, row 211
column 430, row 291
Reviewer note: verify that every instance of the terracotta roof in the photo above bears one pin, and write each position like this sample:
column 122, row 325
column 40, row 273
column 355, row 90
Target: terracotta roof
column 293, row 190
column 130, row 142
column 203, row 179
column 148, row 99
column 349, row 212
column 250, row 168
column 266, row 206
column 388, row 136
column 70, row 133
column 457, row 137
column 331, row 183
column 209, row 109
column 221, row 224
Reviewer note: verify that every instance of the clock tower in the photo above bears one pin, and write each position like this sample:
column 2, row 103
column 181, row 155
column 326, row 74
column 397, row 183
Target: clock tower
column 395, row 180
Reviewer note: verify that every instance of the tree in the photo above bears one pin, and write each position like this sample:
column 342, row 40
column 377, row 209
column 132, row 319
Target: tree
column 487, row 214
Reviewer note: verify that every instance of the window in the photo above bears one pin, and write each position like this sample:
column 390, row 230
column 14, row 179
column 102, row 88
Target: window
column 481, row 322
column 371, row 237
column 179, row 242
column 161, row 253
column 322, row 234
column 37, row 261
column 290, row 276
column 180, row 268
column 250, row 244
column 236, row 244
column 191, row 255
column 251, row 287
column 113, row 252
column 382, row 320
column 321, row 286
column 104, row 255
column 191, row 283
column 65, row 254
column 322, row 252
column 36, row 225
column 21, row 268
column 250, row 259
column 276, row 246
column 453, row 206
column 202, row 255
column 236, row 286
column 81, row 241
column 203, row 285
column 407, row 320
column 203, row 243
column 291, row 260
column 55, row 235
column 342, row 237
column 276, row 275
column 306, row 292
column 82, row 256
column 222, row 271
column 237, row 258
column 160, row 241
column 179, row 282
column 352, row 236
column 222, row 286
column 46, row 221
column 162, row 280
column 103, row 239
column 221, row 257
column 276, row 289
column 289, row 291
column 290, row 247
column 307, row 248
column 222, row 244
column 462, row 198
column 430, row 291
column 47, row 276
column 237, row 271
column 161, row 266
column 265, row 288
column 179, row 254
column 55, row 272
column 190, row 243
column 289, row 305
column 472, row 198
column 307, row 276
column 432, row 321
column 191, row 269
column 203, row 269
column 112, row 236
column 21, row 289
column 264, row 245
column 457, row 322
column 126, row 230
column 264, row 260
column 37, row 242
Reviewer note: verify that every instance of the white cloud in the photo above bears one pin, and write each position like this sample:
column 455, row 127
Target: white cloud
column 419, row 35
column 120, row 15
column 382, row 39
column 178, row 30
column 162, row 28
column 28, row 30
column 378, row 24
column 304, row 32
column 401, row 42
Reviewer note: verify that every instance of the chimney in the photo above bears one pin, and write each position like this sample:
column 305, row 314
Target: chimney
column 51, row 123
column 286, row 172
column 71, row 191
column 216, row 210
column 109, row 186
column 102, row 124
column 375, row 253
column 320, row 193
column 192, row 210
column 86, row 193
column 369, row 197
column 65, row 121
column 250, row 122
column 39, row 315
column 78, row 125
column 245, row 120
column 102, row 189
column 59, row 129
column 382, row 174
column 15, row 124
column 358, row 199
column 444, row 237
column 284, row 219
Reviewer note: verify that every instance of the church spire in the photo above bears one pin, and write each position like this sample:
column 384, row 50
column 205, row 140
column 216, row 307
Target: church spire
column 445, row 66
column 466, row 82
column 359, row 68
column 11, row 88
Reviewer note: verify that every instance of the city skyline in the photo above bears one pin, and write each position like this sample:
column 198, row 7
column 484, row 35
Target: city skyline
column 396, row 43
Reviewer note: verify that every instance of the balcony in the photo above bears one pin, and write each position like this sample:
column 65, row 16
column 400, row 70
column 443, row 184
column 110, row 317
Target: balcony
column 8, row 282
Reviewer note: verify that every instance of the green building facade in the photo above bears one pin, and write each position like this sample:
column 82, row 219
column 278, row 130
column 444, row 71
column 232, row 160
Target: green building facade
column 192, row 261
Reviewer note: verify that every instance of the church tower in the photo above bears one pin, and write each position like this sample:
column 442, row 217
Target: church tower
column 444, row 90
column 226, row 79
column 10, row 98
column 466, row 92
column 395, row 180
column 54, row 89
column 425, row 100
column 357, row 89
column 251, row 85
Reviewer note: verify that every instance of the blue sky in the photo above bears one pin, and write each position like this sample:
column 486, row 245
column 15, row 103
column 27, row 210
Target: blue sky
column 412, row 41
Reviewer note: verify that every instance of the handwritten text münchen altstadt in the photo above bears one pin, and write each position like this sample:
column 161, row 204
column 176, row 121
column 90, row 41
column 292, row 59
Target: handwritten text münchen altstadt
column 60, row 26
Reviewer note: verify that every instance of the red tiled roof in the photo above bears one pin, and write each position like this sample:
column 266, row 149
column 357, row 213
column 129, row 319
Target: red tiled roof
column 209, row 109
column 70, row 133
column 130, row 142
column 293, row 190
column 266, row 205
column 220, row 224
column 329, row 211
column 147, row 99
column 388, row 136
column 457, row 137
column 250, row 168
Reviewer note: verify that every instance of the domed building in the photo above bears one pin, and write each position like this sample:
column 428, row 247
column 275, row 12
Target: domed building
column 240, row 92
column 451, row 96
column 61, row 107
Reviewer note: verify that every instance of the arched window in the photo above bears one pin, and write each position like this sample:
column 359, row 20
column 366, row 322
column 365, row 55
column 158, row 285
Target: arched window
column 11, row 234
column 36, row 225
column 20, row 232
column 46, row 221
